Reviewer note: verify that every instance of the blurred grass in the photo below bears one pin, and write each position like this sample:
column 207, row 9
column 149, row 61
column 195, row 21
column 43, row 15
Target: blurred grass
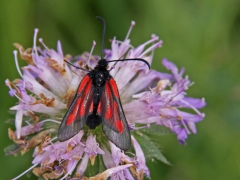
column 202, row 36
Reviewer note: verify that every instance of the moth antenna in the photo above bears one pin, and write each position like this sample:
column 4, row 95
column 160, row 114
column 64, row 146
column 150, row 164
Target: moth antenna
column 76, row 66
column 103, row 34
column 135, row 59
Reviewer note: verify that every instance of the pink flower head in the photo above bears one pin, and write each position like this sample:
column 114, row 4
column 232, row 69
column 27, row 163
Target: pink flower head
column 92, row 148
column 150, row 99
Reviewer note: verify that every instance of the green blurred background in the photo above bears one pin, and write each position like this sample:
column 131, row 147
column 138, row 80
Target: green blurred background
column 201, row 35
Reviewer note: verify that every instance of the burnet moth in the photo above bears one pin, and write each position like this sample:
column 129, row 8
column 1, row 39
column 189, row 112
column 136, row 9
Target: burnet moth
column 97, row 101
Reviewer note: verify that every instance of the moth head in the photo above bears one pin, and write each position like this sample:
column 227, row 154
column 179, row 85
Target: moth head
column 102, row 64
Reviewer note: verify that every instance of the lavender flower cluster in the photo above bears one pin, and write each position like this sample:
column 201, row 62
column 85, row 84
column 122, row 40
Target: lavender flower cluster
column 47, row 86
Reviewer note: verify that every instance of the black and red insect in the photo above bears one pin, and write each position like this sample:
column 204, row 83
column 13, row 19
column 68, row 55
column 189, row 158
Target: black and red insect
column 97, row 101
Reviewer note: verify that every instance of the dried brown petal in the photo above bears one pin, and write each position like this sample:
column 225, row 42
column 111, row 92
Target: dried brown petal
column 33, row 142
column 56, row 66
column 25, row 54
column 92, row 159
column 12, row 136
column 33, row 116
column 51, row 175
column 69, row 96
column 49, row 102
column 45, row 141
column 39, row 171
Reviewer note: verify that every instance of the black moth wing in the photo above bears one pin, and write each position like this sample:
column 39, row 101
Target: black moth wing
column 114, row 122
column 76, row 115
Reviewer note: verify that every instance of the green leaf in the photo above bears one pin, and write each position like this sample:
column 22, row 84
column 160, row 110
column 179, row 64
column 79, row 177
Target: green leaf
column 101, row 164
column 11, row 149
column 150, row 148
column 41, row 178
column 98, row 167
column 155, row 130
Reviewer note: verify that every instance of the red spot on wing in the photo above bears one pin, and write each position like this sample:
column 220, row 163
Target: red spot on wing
column 108, row 113
column 73, row 114
column 108, row 91
column 82, row 109
column 89, row 86
column 119, row 126
column 91, row 107
column 70, row 119
column 114, row 87
column 115, row 106
column 118, row 123
column 115, row 111
column 99, row 108
column 83, row 83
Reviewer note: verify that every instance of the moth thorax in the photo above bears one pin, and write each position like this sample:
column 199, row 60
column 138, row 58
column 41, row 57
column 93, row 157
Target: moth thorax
column 102, row 64
column 99, row 79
